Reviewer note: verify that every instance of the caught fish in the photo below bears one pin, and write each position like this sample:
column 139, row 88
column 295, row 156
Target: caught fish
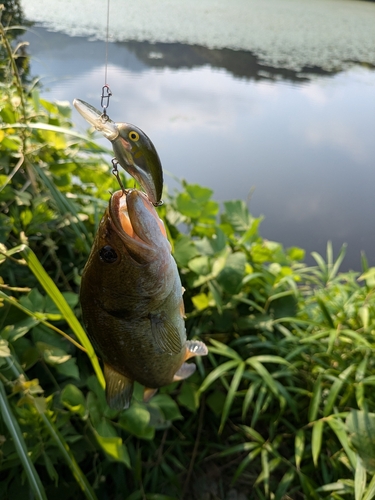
column 133, row 149
column 131, row 299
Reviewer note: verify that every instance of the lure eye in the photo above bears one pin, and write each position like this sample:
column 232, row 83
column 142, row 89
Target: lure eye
column 107, row 254
column 134, row 136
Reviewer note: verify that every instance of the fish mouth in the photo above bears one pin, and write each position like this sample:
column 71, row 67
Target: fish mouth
column 101, row 122
column 136, row 220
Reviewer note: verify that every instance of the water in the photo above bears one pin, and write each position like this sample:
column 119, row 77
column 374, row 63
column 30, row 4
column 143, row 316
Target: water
column 291, row 135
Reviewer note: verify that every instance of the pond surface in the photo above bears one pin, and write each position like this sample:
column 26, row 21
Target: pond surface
column 293, row 137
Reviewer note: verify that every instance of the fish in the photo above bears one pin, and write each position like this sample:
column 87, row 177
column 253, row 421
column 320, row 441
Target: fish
column 133, row 149
column 132, row 301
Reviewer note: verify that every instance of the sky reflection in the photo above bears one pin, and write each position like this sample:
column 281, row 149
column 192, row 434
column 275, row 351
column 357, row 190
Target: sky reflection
column 301, row 153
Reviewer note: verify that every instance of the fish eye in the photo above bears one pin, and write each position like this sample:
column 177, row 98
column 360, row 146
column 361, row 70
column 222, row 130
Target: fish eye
column 107, row 254
column 134, row 136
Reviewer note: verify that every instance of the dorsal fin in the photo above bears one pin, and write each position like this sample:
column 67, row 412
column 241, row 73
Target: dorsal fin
column 119, row 389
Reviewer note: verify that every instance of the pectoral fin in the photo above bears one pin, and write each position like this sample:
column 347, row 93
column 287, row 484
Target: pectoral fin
column 185, row 371
column 195, row 348
column 119, row 389
column 165, row 333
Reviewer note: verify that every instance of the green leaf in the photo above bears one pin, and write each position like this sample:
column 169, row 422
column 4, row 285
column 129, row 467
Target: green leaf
column 359, row 480
column 4, row 349
column 335, row 389
column 69, row 368
column 224, row 350
column 167, row 405
column 338, row 427
column 200, row 265
column 201, row 301
column 316, row 440
column 19, row 443
column 264, row 374
column 114, row 448
column 216, row 373
column 230, row 278
column 52, row 355
column 361, row 426
column 188, row 396
column 184, row 250
column 370, row 492
column 315, row 400
column 136, row 420
column 299, row 447
column 188, row 206
column 231, row 394
column 73, row 399
column 284, row 484
column 249, row 396
column 252, row 433
column 237, row 214
column 199, row 193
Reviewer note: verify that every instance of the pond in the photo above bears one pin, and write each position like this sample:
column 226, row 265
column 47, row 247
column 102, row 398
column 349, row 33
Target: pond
column 272, row 102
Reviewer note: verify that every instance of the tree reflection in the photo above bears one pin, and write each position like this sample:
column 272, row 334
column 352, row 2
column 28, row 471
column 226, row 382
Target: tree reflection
column 11, row 15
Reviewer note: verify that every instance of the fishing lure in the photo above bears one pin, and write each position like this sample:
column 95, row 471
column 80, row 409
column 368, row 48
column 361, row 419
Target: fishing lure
column 133, row 149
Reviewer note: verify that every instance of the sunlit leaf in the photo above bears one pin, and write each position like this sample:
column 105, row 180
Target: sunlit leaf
column 316, row 440
column 114, row 448
column 299, row 446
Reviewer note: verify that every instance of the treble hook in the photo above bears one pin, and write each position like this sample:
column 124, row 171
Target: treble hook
column 115, row 172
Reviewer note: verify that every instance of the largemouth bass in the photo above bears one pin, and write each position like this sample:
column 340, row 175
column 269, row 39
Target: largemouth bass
column 131, row 299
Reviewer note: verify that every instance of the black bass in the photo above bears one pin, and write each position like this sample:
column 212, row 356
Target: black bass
column 131, row 299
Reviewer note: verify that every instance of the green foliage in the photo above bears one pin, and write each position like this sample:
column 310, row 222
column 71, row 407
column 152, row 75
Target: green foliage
column 282, row 406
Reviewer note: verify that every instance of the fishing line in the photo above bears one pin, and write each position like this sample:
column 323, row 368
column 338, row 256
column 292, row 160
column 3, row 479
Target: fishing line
column 106, row 45
column 106, row 91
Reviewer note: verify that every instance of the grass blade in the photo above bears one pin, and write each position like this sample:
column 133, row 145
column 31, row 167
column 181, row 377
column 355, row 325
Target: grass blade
column 69, row 458
column 65, row 207
column 339, row 429
column 60, row 302
column 315, row 400
column 370, row 492
column 299, row 447
column 249, row 396
column 264, row 373
column 216, row 373
column 316, row 440
column 284, row 484
column 20, row 445
column 335, row 389
column 359, row 480
column 231, row 393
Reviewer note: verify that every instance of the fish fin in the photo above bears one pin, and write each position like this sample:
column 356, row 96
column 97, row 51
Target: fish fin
column 195, row 348
column 184, row 371
column 165, row 333
column 119, row 389
column 148, row 393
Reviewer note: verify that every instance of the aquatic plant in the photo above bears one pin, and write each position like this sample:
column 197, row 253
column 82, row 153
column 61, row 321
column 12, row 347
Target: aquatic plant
column 281, row 408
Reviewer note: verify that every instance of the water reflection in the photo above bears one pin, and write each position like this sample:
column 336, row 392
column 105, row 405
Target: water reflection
column 301, row 144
